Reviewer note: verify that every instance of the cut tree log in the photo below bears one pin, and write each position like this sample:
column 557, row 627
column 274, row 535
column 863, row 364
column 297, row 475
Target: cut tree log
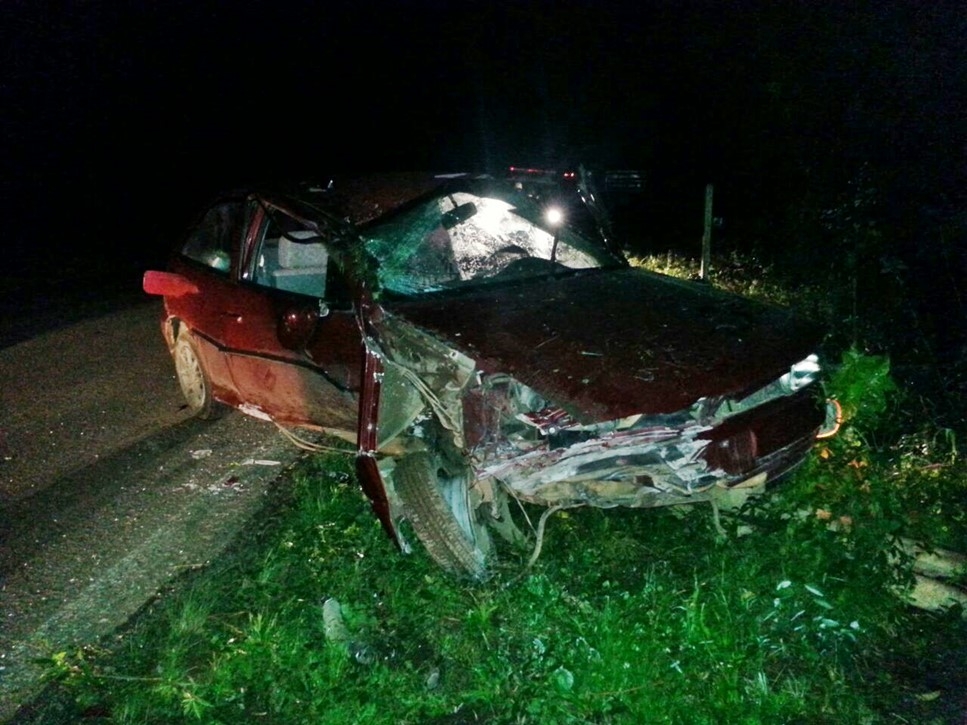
column 930, row 567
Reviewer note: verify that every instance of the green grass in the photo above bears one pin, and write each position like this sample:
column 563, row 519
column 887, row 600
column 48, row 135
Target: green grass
column 627, row 616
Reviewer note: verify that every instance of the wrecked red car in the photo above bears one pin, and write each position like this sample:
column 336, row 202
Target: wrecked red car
column 477, row 348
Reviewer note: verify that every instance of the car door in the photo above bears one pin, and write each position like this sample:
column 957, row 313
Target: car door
column 206, row 259
column 294, row 348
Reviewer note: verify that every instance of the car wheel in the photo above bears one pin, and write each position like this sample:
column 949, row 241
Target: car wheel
column 440, row 508
column 195, row 384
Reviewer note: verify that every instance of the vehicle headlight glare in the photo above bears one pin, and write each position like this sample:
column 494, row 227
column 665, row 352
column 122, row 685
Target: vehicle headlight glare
column 801, row 374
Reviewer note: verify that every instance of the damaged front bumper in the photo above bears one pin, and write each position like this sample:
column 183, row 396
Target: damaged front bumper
column 644, row 465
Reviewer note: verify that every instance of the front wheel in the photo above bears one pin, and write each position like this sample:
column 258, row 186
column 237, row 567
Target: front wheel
column 438, row 503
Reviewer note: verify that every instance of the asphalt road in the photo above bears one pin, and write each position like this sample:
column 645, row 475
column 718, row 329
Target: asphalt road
column 108, row 490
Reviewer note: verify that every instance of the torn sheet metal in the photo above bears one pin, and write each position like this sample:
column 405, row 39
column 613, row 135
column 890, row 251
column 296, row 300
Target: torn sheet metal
column 543, row 456
column 421, row 376
column 631, row 469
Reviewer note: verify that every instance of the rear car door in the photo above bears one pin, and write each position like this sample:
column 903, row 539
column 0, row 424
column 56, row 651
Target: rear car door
column 206, row 260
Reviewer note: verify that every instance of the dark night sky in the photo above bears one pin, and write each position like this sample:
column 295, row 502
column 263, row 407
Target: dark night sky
column 119, row 117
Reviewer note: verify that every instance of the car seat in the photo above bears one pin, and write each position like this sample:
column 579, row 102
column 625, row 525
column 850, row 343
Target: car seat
column 302, row 265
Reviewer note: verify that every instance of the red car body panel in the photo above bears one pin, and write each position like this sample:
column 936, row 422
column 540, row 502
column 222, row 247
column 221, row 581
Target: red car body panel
column 239, row 324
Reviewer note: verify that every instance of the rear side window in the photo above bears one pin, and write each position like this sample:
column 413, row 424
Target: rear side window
column 219, row 233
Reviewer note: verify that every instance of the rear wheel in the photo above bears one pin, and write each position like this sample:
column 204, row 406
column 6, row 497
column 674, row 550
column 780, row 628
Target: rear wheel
column 195, row 384
column 441, row 509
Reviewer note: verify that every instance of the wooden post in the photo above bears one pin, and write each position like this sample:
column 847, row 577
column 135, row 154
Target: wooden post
column 705, row 269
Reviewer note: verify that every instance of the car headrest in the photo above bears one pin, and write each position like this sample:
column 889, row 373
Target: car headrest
column 294, row 255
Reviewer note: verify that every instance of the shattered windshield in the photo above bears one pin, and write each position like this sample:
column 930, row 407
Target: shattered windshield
column 463, row 239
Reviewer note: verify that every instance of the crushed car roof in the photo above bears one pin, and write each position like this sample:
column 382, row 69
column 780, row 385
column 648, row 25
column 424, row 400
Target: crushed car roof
column 359, row 198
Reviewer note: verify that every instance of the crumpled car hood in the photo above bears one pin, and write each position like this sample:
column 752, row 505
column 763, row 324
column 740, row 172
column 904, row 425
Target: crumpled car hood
column 608, row 344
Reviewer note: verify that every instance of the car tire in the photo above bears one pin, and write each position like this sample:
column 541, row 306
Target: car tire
column 438, row 505
column 196, row 385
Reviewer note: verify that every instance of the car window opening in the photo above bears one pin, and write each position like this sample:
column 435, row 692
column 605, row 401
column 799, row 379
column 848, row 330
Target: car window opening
column 214, row 237
column 292, row 258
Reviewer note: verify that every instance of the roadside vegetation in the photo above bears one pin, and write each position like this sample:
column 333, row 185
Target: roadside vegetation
column 791, row 610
